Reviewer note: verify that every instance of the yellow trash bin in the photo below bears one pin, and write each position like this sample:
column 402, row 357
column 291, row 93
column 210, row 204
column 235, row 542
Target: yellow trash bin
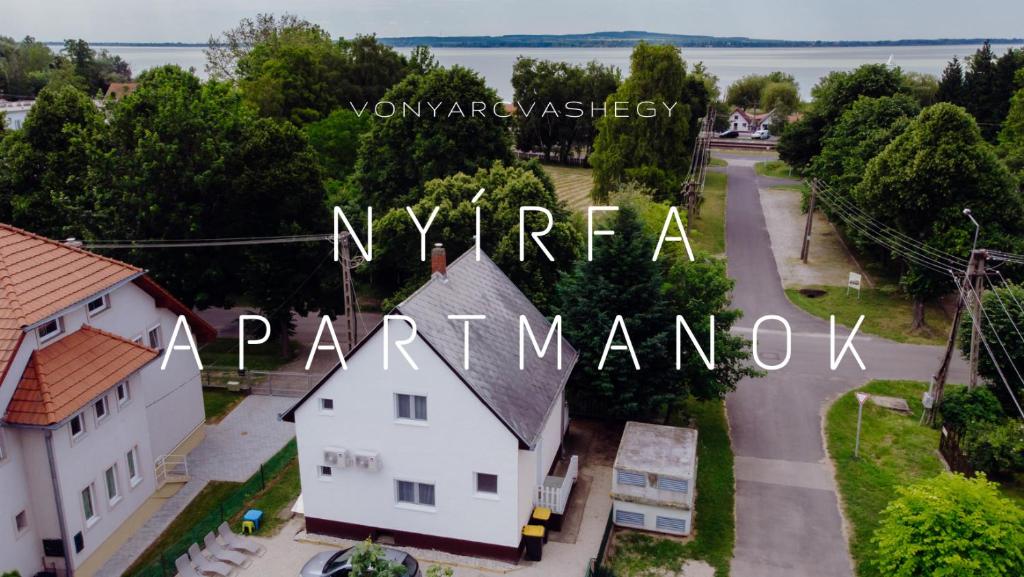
column 542, row 516
column 533, row 538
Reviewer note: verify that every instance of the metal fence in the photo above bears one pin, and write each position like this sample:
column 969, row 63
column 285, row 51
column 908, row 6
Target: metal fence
column 596, row 566
column 949, row 446
column 226, row 510
column 276, row 383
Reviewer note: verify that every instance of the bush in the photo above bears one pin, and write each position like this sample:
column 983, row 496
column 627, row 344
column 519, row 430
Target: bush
column 962, row 407
column 948, row 526
column 996, row 449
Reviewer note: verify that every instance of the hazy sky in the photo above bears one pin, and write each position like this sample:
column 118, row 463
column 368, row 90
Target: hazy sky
column 195, row 20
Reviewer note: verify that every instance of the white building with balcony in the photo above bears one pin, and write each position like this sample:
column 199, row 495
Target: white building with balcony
column 453, row 454
column 655, row 476
column 87, row 413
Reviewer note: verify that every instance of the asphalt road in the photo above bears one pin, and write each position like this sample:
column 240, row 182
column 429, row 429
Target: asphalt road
column 787, row 509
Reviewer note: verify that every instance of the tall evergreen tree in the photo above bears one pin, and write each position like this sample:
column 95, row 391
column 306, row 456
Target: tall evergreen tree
column 951, row 85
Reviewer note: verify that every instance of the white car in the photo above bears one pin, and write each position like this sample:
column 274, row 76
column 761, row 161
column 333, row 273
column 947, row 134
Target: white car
column 762, row 134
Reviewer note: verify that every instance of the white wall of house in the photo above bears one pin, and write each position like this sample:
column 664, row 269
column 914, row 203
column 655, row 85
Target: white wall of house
column 738, row 122
column 537, row 463
column 623, row 510
column 460, row 438
column 19, row 550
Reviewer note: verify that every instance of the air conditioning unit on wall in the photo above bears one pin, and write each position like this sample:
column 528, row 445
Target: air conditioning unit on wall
column 334, row 457
column 369, row 460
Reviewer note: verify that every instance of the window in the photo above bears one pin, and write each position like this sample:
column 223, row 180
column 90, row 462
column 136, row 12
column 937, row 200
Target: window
column 675, row 485
column 411, row 407
column 631, row 478
column 88, row 507
column 671, row 524
column 123, row 393
column 50, row 329
column 98, row 305
column 327, row 405
column 629, row 518
column 21, row 522
column 415, row 493
column 134, row 475
column 110, row 476
column 100, row 406
column 77, row 425
column 155, row 340
column 487, row 483
column 325, row 472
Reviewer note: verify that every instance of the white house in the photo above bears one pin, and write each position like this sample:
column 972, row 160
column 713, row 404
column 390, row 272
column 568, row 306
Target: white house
column 15, row 112
column 742, row 121
column 86, row 410
column 444, row 457
column 655, row 478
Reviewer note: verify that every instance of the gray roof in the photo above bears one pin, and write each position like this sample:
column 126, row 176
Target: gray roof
column 522, row 399
column 647, row 448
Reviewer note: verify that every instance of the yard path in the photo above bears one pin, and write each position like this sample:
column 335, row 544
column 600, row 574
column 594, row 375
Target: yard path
column 232, row 450
column 788, row 520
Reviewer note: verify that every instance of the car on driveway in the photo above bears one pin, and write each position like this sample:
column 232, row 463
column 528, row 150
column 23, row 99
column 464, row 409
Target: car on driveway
column 729, row 134
column 339, row 563
column 762, row 134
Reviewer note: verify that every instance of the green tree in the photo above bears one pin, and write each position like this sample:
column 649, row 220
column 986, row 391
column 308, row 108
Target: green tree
column 225, row 51
column 336, row 141
column 951, row 86
column 949, row 526
column 368, row 560
column 506, row 188
column 746, row 92
column 25, row 66
column 1005, row 317
column 963, row 407
column 91, row 70
column 1011, row 137
column 782, row 97
column 44, row 167
column 923, row 87
column 989, row 84
column 403, row 151
column 652, row 151
column 921, row 182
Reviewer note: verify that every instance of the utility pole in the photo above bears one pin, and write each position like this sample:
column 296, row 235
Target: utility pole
column 938, row 388
column 351, row 318
column 805, row 249
column 691, row 203
column 976, row 278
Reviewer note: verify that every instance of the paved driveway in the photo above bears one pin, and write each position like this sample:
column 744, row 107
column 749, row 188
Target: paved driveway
column 787, row 509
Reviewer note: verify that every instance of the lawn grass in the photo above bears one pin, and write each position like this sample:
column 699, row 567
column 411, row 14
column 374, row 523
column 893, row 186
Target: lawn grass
column 219, row 402
column 775, row 168
column 715, row 161
column 887, row 313
column 572, row 185
column 708, row 229
column 640, row 554
column 207, row 501
column 281, row 492
column 223, row 353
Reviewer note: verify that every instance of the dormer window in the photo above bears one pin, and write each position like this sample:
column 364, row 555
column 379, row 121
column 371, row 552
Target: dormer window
column 50, row 329
column 98, row 305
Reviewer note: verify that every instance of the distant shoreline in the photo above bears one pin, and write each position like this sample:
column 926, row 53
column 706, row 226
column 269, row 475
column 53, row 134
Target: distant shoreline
column 625, row 39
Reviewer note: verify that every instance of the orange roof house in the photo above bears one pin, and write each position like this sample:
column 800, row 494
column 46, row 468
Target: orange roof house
column 118, row 90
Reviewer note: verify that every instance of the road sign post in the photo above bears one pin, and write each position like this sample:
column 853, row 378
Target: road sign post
column 861, row 399
column 853, row 283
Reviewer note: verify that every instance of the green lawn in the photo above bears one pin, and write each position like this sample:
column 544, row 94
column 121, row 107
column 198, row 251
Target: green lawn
column 708, row 230
column 887, row 313
column 281, row 492
column 776, row 168
column 642, row 554
column 715, row 161
column 223, row 353
column 219, row 402
column 573, row 185
column 894, row 450
column 207, row 501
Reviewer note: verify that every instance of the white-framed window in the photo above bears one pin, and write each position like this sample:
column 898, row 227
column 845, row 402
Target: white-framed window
column 326, row 405
column 110, row 480
column 89, row 506
column 412, row 493
column 134, row 472
column 486, row 483
column 631, row 478
column 98, row 305
column 325, row 472
column 155, row 338
column 77, row 426
column 101, row 409
column 21, row 522
column 123, row 392
column 410, row 407
column 674, row 485
column 50, row 329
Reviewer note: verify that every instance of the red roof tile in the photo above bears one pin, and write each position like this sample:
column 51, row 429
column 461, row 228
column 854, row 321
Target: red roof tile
column 67, row 375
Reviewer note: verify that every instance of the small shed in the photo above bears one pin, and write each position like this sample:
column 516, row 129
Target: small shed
column 654, row 481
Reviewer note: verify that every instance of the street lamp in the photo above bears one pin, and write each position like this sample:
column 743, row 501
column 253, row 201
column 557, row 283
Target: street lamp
column 977, row 228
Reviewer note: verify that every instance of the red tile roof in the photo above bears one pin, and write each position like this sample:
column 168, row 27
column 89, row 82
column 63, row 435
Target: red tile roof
column 67, row 375
column 40, row 277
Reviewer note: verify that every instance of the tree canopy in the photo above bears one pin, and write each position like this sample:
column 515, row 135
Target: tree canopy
column 949, row 526
column 985, row 87
column 775, row 90
column 1005, row 317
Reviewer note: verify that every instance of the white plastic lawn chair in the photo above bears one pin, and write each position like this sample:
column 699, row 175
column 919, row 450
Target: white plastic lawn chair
column 206, row 566
column 239, row 543
column 184, row 567
column 218, row 552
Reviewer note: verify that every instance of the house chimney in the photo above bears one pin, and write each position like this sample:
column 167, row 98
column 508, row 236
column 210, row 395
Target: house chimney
column 438, row 260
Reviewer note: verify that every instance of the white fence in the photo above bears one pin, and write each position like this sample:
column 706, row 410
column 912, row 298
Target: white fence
column 556, row 498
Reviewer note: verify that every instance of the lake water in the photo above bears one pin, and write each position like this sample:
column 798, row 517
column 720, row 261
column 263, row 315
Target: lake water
column 807, row 65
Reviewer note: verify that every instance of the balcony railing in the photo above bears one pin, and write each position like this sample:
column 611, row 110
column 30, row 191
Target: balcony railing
column 554, row 493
